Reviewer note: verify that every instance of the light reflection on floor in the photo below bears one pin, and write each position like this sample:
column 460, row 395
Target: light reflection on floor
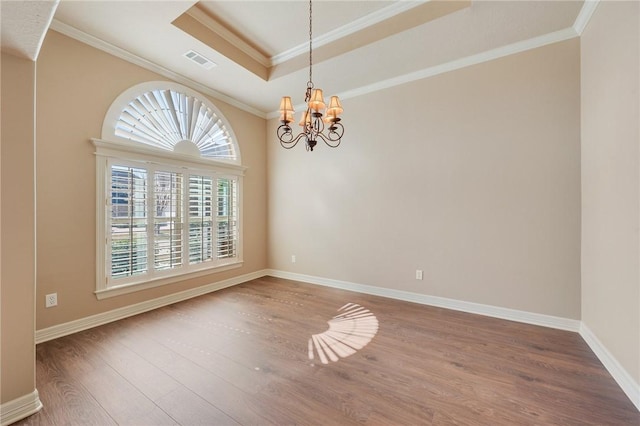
column 349, row 331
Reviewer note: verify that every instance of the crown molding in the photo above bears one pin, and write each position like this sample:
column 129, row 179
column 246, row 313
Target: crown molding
column 489, row 55
column 346, row 30
column 479, row 58
column 583, row 18
column 92, row 41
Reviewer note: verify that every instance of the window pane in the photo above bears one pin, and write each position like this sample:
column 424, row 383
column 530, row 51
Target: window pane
column 129, row 221
column 200, row 219
column 227, row 219
column 168, row 220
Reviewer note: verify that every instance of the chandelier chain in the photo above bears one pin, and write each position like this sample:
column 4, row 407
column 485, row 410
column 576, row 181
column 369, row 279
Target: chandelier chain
column 310, row 45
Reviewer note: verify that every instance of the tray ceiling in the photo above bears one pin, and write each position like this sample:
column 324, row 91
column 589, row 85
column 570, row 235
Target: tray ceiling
column 260, row 47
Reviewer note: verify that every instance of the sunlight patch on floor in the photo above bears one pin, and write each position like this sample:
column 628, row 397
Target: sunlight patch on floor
column 349, row 331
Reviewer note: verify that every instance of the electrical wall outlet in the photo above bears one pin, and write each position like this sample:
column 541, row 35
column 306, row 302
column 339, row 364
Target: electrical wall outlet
column 293, row 258
column 418, row 274
column 51, row 300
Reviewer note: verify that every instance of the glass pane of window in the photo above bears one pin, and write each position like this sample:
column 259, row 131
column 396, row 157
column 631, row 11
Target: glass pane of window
column 201, row 238
column 167, row 242
column 128, row 221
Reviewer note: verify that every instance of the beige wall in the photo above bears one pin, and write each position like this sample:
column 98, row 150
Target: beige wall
column 610, row 180
column 17, row 365
column 472, row 176
column 77, row 85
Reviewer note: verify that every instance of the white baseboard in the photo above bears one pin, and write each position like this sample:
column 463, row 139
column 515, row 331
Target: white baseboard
column 19, row 408
column 441, row 302
column 81, row 324
column 620, row 375
column 30, row 404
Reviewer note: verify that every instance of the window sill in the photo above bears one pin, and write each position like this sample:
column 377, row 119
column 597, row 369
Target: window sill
column 131, row 288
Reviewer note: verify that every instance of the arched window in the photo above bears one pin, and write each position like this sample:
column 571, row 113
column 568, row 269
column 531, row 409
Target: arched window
column 169, row 190
column 166, row 116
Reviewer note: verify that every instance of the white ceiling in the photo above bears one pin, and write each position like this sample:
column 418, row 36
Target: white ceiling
column 406, row 49
column 23, row 25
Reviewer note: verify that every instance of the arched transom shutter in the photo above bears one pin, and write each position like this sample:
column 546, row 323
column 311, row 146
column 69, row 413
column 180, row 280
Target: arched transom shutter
column 164, row 118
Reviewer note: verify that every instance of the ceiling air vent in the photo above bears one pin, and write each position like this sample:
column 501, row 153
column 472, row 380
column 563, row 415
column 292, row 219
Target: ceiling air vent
column 200, row 60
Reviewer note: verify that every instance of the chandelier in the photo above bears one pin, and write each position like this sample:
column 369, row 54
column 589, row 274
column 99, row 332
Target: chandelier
column 312, row 120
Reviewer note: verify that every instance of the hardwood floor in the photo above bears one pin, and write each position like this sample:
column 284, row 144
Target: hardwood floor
column 241, row 356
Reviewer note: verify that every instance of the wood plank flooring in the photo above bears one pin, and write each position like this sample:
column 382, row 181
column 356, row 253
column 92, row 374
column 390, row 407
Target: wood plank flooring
column 241, row 356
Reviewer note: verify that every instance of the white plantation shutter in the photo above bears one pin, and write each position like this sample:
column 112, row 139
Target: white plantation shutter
column 128, row 224
column 163, row 118
column 227, row 218
column 201, row 237
column 168, row 222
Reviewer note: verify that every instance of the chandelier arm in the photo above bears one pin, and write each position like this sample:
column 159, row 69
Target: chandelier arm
column 282, row 144
column 317, row 125
column 286, row 138
column 284, row 133
column 337, row 132
column 332, row 143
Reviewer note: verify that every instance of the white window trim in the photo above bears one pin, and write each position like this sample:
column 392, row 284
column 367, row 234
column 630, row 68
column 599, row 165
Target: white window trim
column 128, row 153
